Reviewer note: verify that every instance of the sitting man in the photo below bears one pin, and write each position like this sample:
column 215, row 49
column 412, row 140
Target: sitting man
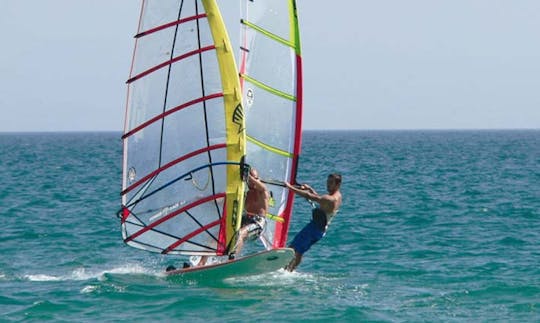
column 256, row 206
column 254, row 220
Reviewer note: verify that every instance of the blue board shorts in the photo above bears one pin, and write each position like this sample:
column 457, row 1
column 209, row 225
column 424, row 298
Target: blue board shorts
column 307, row 237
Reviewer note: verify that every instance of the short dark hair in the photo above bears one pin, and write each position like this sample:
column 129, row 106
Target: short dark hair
column 336, row 177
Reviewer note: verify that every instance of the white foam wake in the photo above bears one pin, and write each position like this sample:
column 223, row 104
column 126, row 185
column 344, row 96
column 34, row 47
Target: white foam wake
column 42, row 278
column 280, row 277
column 81, row 274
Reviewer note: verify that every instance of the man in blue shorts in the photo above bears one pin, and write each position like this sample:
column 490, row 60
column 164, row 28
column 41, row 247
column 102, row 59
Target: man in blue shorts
column 321, row 216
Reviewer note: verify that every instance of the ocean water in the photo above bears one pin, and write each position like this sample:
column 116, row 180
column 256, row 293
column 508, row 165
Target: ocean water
column 436, row 226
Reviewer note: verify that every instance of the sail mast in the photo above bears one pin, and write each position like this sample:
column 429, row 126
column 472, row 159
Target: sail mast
column 234, row 118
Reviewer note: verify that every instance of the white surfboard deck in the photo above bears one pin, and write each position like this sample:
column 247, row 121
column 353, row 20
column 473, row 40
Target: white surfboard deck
column 255, row 264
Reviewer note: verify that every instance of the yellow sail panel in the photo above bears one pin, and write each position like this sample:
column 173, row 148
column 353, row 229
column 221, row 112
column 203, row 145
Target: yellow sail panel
column 234, row 117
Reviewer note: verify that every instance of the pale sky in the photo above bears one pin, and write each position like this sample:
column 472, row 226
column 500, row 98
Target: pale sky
column 394, row 64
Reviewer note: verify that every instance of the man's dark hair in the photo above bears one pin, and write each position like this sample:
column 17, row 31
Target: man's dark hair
column 336, row 177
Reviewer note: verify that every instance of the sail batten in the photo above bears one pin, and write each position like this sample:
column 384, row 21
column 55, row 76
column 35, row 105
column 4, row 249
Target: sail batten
column 270, row 148
column 189, row 236
column 170, row 111
column 171, row 61
column 186, row 175
column 170, row 24
column 173, row 214
column 268, row 33
column 268, row 88
column 172, row 163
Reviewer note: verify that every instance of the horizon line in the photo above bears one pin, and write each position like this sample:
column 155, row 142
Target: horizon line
column 307, row 129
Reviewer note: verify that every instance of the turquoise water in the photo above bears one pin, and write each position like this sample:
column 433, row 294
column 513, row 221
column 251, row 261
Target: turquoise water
column 435, row 226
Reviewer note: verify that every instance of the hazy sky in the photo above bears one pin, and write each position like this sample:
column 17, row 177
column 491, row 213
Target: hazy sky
column 452, row 64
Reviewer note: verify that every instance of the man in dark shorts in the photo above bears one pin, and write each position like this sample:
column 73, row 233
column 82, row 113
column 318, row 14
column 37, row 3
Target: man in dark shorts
column 256, row 206
column 254, row 219
column 321, row 216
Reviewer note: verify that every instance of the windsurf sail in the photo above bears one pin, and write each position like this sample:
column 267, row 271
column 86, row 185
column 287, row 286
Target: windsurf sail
column 195, row 119
column 270, row 65
column 184, row 138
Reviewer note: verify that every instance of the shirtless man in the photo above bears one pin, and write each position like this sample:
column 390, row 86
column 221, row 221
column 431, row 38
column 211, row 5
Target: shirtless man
column 256, row 206
column 321, row 216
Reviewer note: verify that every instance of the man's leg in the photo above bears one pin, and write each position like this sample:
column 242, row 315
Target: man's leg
column 294, row 262
column 240, row 243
